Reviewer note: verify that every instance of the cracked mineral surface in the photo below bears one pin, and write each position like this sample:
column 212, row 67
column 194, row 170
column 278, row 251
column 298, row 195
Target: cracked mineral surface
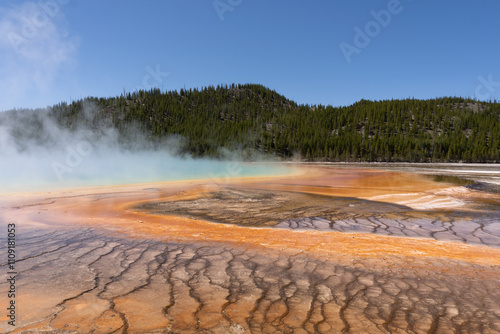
column 328, row 250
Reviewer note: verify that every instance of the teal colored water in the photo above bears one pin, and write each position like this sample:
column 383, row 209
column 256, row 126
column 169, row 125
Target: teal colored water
column 36, row 173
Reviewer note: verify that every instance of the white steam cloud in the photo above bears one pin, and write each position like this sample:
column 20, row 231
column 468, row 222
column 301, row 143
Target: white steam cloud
column 37, row 154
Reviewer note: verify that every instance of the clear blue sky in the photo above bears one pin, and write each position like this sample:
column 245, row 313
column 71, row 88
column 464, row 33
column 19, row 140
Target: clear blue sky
column 101, row 48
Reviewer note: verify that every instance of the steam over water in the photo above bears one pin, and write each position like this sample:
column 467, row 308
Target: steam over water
column 38, row 154
column 57, row 170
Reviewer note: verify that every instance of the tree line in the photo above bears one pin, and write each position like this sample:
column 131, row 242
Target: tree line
column 253, row 118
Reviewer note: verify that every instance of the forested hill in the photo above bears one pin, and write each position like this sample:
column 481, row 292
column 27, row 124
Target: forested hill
column 255, row 118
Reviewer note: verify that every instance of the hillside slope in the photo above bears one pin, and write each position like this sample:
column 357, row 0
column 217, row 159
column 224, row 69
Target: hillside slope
column 254, row 118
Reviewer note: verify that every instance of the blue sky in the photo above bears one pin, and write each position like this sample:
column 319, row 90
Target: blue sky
column 57, row 50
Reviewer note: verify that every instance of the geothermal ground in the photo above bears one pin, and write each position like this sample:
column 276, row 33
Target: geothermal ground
column 323, row 250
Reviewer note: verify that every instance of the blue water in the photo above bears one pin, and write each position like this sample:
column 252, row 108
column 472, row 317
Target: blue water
column 46, row 172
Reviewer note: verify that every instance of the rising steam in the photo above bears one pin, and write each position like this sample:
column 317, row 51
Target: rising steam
column 37, row 153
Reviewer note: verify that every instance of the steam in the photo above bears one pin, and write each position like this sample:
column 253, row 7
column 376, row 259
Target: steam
column 36, row 153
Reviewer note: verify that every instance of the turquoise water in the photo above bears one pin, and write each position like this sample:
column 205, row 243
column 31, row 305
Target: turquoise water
column 183, row 170
column 36, row 173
